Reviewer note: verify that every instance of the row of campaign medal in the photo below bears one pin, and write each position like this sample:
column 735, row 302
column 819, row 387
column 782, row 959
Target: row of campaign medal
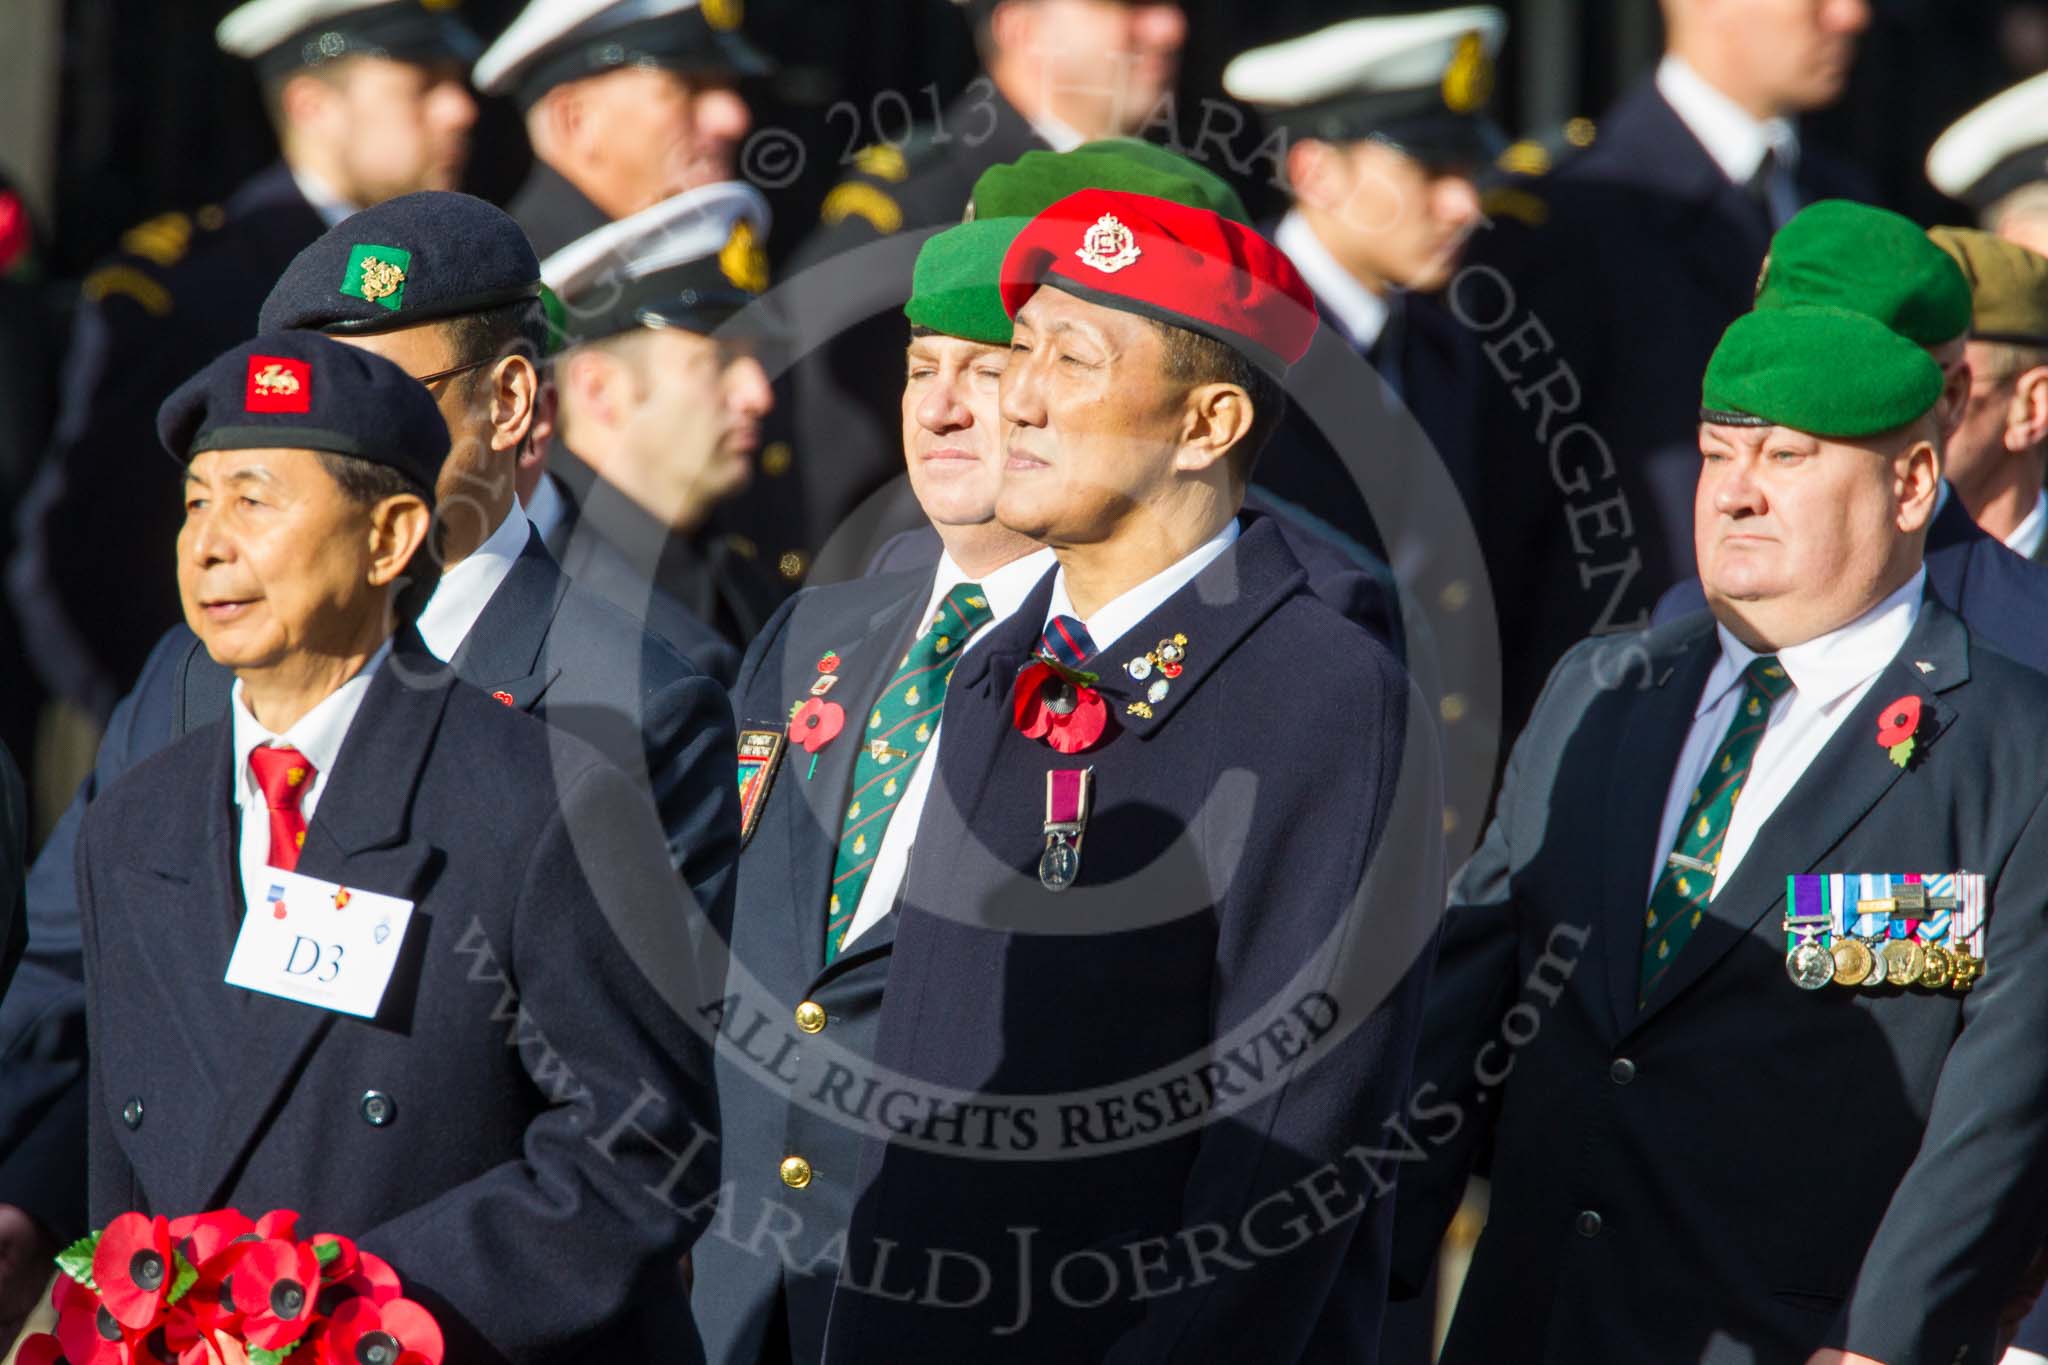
column 1885, row 929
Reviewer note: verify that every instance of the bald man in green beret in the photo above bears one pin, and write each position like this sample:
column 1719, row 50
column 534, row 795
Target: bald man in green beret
column 1999, row 452
column 1744, row 992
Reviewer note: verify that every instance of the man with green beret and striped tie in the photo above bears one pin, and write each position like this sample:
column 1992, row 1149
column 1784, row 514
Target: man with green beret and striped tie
column 830, row 803
column 1744, row 991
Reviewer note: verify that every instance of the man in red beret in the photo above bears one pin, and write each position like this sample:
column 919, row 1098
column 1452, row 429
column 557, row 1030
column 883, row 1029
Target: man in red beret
column 1142, row 1031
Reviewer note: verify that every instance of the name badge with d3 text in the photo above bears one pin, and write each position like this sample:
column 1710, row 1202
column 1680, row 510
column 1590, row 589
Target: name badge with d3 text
column 319, row 943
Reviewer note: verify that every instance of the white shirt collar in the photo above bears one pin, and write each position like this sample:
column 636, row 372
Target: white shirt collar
column 466, row 588
column 1005, row 588
column 2027, row 536
column 1733, row 138
column 1358, row 310
column 547, row 507
column 1115, row 618
column 318, row 734
column 1058, row 134
column 1828, row 667
column 331, row 207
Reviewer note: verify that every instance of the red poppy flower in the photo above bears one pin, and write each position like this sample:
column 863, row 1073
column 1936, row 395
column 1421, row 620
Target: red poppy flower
column 16, row 235
column 41, row 1349
column 1070, row 730
column 364, row 1333
column 816, row 722
column 134, row 1270
column 202, row 1236
column 280, row 1225
column 1898, row 721
column 372, row 1279
column 273, row 1285
column 85, row 1329
column 339, row 1264
column 829, row 663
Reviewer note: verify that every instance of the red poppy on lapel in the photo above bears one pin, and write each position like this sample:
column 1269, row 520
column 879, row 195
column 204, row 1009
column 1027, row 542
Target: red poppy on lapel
column 815, row 723
column 133, row 1269
column 42, row 1348
column 1066, row 715
column 279, row 1224
column 1898, row 726
column 406, row 1333
column 274, row 1284
column 337, row 1257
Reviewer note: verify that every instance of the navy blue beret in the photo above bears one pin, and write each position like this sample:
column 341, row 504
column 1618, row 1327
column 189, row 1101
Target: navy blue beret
column 416, row 258
column 303, row 391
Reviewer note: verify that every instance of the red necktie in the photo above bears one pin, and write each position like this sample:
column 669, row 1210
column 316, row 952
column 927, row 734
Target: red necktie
column 284, row 775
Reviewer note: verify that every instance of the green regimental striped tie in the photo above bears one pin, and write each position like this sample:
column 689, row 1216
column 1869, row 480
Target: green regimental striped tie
column 1687, row 882
column 898, row 729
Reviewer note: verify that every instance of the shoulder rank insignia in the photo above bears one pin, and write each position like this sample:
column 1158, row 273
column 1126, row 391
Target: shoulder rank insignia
column 742, row 261
column 760, row 754
column 161, row 241
column 883, row 161
column 126, row 280
column 854, row 199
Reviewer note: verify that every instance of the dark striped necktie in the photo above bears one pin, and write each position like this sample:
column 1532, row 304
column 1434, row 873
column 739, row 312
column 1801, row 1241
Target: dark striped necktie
column 1066, row 641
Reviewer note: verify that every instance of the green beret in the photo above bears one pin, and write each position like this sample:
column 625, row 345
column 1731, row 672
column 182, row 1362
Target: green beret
column 2008, row 285
column 1037, row 180
column 1871, row 261
column 955, row 288
column 1824, row 371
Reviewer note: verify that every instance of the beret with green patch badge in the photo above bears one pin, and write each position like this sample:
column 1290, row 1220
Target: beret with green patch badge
column 1826, row 371
column 1871, row 261
column 417, row 258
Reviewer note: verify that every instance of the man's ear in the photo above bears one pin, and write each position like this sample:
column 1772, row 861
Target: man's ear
column 398, row 528
column 2026, row 420
column 306, row 101
column 515, row 395
column 1219, row 419
column 1314, row 173
column 1919, row 474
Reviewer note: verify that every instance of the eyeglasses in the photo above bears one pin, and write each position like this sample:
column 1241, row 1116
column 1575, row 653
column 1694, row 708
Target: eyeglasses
column 429, row 380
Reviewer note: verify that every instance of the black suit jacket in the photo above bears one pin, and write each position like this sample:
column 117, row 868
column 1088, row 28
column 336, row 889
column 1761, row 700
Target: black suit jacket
column 2001, row 596
column 1229, row 833
column 91, row 577
column 782, row 1090
column 601, row 568
column 1598, row 293
column 1741, row 1170
column 556, row 652
column 516, row 1174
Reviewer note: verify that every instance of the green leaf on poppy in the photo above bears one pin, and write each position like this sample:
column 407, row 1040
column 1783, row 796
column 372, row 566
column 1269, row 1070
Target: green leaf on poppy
column 260, row 1356
column 325, row 1252
column 187, row 1276
column 1902, row 752
column 1079, row 677
column 76, row 1260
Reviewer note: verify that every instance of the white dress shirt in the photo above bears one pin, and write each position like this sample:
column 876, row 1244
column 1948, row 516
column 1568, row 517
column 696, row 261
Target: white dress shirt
column 1114, row 619
column 318, row 735
column 466, row 588
column 1005, row 590
column 1059, row 135
column 1829, row 674
column 2026, row 537
column 1361, row 313
column 331, row 207
column 1734, row 138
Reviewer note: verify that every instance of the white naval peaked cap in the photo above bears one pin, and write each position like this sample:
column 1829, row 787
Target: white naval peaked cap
column 264, row 31
column 1994, row 149
column 552, row 41
column 692, row 260
column 1362, row 56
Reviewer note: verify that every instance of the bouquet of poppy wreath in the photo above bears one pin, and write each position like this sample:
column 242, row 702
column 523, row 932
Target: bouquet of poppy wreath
column 222, row 1289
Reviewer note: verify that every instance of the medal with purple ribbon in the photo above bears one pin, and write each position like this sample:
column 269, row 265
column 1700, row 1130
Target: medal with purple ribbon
column 1068, row 795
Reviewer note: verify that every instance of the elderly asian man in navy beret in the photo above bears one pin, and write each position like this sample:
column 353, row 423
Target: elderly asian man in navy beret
column 374, row 946
column 446, row 286
column 1742, row 997
column 1104, row 1108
